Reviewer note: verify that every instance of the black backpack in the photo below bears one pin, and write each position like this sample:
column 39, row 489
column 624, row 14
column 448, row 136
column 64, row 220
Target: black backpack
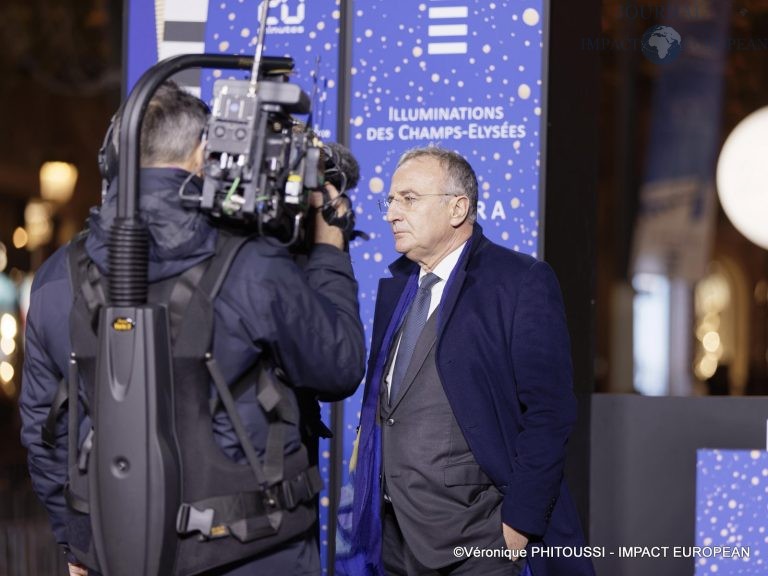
column 228, row 511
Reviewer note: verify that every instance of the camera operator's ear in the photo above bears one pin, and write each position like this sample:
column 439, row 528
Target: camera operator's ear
column 197, row 161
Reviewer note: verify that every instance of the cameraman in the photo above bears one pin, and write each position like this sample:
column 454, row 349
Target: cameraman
column 307, row 319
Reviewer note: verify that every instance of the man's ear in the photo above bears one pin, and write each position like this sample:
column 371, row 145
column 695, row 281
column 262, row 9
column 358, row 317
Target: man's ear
column 459, row 210
column 197, row 158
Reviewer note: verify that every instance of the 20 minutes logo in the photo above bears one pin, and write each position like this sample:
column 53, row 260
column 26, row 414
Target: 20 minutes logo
column 284, row 15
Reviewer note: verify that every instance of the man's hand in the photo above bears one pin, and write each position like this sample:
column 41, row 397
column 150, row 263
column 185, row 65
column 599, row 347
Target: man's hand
column 77, row 570
column 515, row 540
column 325, row 234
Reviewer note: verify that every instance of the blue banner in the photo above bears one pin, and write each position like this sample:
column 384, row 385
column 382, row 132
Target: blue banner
column 464, row 74
column 730, row 513
column 140, row 54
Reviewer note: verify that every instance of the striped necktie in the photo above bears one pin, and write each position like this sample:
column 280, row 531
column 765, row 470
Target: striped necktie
column 414, row 323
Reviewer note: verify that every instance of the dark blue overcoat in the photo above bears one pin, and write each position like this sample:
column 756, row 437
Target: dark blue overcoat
column 504, row 358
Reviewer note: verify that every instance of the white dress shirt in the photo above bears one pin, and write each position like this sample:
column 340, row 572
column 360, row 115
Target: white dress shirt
column 443, row 271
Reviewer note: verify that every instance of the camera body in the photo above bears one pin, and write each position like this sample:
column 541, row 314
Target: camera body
column 260, row 162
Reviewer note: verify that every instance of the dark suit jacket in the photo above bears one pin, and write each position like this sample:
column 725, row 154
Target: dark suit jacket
column 503, row 356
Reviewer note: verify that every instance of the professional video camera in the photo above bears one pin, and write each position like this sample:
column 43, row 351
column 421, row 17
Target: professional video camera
column 261, row 163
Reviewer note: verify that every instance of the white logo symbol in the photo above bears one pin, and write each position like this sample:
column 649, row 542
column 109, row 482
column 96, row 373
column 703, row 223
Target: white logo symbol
column 287, row 16
column 447, row 30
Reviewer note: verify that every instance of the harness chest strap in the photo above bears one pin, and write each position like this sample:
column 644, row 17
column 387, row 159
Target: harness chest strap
column 226, row 515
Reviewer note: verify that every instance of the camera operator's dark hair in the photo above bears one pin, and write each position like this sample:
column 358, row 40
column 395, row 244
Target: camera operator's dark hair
column 172, row 127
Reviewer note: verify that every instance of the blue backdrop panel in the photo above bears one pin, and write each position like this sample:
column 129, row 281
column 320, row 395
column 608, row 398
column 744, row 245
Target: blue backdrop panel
column 140, row 46
column 467, row 75
column 732, row 512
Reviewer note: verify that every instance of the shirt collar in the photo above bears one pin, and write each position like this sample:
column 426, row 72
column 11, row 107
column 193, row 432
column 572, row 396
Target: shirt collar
column 445, row 267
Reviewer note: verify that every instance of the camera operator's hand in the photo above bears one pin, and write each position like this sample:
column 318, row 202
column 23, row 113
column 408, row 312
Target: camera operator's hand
column 77, row 570
column 324, row 233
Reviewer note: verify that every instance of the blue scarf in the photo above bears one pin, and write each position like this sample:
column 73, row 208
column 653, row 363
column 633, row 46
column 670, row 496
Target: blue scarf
column 359, row 533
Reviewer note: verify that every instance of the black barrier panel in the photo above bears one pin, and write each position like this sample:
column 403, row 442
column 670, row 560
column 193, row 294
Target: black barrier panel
column 643, row 473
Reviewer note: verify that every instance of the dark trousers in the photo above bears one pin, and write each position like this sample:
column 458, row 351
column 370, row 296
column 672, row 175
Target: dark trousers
column 400, row 561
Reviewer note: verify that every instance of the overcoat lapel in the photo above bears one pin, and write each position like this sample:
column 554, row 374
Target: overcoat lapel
column 457, row 279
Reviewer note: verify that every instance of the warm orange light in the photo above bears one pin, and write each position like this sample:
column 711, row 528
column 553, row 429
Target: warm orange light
column 711, row 342
column 20, row 237
column 57, row 181
column 6, row 371
column 8, row 326
column 37, row 223
column 707, row 367
column 7, row 346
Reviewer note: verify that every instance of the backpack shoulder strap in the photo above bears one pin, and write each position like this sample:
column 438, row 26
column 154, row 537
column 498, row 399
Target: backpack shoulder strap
column 85, row 277
column 191, row 301
column 77, row 262
column 227, row 248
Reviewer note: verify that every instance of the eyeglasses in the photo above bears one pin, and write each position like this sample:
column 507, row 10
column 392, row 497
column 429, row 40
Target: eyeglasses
column 404, row 203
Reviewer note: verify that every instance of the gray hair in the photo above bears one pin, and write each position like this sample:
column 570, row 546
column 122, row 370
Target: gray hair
column 172, row 126
column 460, row 178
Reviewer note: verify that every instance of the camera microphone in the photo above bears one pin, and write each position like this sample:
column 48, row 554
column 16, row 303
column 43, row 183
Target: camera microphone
column 341, row 167
column 343, row 171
